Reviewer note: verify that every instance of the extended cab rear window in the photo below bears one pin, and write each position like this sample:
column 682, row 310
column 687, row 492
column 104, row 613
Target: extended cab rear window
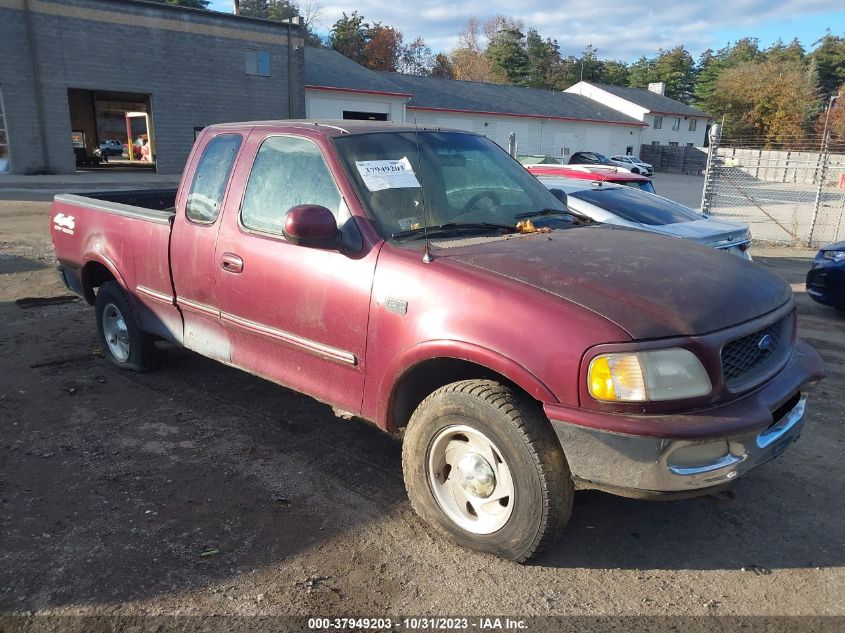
column 211, row 178
column 637, row 206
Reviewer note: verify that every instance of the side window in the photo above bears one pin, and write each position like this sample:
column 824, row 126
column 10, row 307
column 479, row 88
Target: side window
column 211, row 177
column 287, row 171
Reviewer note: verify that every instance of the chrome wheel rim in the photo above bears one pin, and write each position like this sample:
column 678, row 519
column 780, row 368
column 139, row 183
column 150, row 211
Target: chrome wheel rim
column 115, row 332
column 470, row 479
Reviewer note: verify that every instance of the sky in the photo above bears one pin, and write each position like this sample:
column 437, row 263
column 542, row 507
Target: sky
column 619, row 30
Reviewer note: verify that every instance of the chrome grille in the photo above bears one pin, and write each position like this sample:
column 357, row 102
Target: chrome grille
column 748, row 358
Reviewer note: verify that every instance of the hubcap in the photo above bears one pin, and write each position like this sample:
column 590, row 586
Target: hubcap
column 476, row 475
column 470, row 479
column 116, row 333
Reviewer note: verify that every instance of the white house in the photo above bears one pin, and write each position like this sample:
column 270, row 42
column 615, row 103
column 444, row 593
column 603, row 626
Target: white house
column 669, row 122
column 543, row 122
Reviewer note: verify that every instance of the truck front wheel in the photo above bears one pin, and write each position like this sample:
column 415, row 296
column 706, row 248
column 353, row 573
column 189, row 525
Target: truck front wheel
column 483, row 466
column 123, row 341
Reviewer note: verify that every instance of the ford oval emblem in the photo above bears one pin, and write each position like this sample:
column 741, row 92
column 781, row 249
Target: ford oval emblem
column 764, row 343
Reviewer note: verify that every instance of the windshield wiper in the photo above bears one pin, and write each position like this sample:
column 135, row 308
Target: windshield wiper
column 549, row 211
column 451, row 227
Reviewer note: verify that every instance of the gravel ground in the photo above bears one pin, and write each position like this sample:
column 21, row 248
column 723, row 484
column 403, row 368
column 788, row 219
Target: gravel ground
column 202, row 490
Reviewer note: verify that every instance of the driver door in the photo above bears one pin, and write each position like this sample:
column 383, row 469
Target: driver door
column 295, row 314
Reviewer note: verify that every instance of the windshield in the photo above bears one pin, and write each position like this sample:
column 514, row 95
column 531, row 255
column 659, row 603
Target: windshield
column 637, row 206
column 451, row 177
column 645, row 185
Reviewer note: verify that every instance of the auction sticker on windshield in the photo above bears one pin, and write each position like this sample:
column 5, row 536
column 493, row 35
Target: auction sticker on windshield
column 387, row 174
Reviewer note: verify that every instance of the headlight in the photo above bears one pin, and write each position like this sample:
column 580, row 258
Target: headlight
column 666, row 374
column 836, row 256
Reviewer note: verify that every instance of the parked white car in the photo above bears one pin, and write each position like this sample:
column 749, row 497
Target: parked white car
column 634, row 164
column 636, row 209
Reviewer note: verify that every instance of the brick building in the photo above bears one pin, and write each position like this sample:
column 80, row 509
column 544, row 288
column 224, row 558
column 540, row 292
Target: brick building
column 71, row 70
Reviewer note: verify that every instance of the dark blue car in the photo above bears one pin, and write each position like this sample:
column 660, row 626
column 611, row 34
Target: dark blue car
column 826, row 279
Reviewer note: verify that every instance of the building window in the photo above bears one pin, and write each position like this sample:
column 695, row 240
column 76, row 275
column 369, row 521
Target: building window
column 692, row 124
column 676, row 124
column 4, row 140
column 629, row 150
column 257, row 63
column 655, row 142
column 673, row 143
column 658, row 123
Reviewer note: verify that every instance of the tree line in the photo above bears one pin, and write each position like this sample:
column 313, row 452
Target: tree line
column 776, row 95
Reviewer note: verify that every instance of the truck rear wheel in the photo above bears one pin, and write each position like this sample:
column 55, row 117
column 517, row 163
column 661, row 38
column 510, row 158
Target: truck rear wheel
column 124, row 343
column 483, row 466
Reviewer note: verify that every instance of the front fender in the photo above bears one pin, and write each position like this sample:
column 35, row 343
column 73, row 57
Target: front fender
column 457, row 350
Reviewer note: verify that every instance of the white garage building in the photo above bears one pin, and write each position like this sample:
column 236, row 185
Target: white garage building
column 669, row 122
column 544, row 122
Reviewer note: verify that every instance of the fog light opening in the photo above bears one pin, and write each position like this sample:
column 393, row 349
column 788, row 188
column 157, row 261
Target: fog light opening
column 697, row 455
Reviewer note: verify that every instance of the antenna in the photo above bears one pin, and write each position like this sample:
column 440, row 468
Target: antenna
column 427, row 257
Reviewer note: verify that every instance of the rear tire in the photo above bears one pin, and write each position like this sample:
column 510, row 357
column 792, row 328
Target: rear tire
column 124, row 343
column 483, row 466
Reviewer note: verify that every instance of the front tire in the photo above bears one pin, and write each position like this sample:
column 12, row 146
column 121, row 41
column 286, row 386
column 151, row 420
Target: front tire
column 124, row 343
column 482, row 465
column 635, row 170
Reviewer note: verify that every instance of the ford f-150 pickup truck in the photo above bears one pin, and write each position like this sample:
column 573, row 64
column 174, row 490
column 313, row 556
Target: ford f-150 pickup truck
column 423, row 280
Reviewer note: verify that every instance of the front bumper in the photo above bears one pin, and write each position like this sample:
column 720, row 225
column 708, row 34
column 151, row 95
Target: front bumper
column 826, row 284
column 718, row 446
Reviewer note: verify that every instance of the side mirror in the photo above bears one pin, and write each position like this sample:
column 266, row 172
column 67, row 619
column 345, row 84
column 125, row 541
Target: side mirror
column 311, row 225
column 560, row 194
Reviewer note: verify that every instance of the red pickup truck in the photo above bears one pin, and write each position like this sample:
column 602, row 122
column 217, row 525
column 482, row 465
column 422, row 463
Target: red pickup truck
column 423, row 280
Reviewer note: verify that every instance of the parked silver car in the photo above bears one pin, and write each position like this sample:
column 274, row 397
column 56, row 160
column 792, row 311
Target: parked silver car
column 626, row 206
column 111, row 147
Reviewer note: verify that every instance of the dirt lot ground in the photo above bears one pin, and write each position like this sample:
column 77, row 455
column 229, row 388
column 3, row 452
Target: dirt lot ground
column 113, row 485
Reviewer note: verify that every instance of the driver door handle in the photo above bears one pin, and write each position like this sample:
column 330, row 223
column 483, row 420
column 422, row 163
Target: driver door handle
column 231, row 263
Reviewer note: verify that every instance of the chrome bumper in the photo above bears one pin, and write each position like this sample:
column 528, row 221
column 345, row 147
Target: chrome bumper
column 635, row 465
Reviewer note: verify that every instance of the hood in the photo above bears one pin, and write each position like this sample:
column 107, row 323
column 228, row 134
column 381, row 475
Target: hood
column 704, row 231
column 838, row 246
column 649, row 285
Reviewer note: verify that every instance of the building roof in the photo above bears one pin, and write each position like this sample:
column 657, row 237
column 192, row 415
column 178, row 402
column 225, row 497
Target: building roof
column 327, row 69
column 654, row 102
column 432, row 93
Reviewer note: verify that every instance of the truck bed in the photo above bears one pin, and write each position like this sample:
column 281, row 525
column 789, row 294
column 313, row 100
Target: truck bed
column 124, row 235
column 156, row 205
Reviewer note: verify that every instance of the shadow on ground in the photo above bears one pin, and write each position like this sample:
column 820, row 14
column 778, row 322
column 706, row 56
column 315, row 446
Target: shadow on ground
column 117, row 486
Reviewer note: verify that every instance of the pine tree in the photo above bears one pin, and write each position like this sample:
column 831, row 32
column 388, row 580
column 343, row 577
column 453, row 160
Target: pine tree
column 615, row 73
column 641, row 73
column 676, row 69
column 829, row 57
column 442, row 67
column 349, row 37
column 543, row 60
column 507, row 57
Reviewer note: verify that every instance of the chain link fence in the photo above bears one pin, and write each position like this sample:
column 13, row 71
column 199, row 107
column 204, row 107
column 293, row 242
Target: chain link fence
column 792, row 196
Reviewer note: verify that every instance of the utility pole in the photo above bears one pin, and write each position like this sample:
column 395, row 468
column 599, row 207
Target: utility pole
column 824, row 156
column 237, row 10
column 827, row 118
